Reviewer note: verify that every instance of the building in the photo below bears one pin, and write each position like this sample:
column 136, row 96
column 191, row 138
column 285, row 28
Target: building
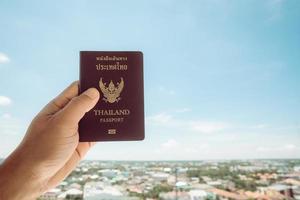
column 174, row 196
column 225, row 195
column 103, row 191
column 199, row 195
column 51, row 194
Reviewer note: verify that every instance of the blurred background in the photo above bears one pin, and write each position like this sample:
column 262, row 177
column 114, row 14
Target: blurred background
column 222, row 78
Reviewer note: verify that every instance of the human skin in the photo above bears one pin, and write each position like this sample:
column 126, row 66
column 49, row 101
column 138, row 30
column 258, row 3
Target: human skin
column 50, row 149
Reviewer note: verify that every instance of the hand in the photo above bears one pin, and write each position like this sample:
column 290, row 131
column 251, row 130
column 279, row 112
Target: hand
column 50, row 149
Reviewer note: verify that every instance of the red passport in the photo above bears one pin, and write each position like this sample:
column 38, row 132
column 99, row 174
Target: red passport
column 119, row 113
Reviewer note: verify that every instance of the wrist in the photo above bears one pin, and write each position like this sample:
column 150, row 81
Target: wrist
column 17, row 181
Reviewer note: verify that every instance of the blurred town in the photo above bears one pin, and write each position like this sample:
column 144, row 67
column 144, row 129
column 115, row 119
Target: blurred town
column 181, row 180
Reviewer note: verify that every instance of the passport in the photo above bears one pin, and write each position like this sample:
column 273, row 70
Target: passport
column 119, row 113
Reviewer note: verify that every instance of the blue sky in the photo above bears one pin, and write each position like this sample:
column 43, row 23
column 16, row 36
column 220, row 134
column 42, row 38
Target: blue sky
column 222, row 78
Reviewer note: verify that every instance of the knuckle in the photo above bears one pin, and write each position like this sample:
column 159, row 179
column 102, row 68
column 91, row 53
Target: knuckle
column 80, row 99
column 85, row 97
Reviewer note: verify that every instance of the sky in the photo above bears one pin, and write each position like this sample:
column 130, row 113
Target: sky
column 222, row 78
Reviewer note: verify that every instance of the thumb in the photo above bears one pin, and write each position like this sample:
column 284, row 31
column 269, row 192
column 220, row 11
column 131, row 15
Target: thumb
column 71, row 114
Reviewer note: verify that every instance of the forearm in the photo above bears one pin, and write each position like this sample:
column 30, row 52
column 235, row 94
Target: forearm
column 17, row 180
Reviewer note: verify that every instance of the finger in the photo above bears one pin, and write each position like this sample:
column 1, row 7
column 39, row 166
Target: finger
column 78, row 155
column 61, row 100
column 71, row 114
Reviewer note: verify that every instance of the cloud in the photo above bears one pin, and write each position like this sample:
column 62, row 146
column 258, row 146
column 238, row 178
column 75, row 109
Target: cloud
column 9, row 125
column 167, row 120
column 5, row 101
column 164, row 90
column 12, row 131
column 263, row 149
column 207, row 127
column 274, row 149
column 170, row 144
column 198, row 148
column 190, row 150
column 4, row 58
column 260, row 126
column 172, row 149
column 289, row 147
column 160, row 118
column 183, row 110
column 6, row 116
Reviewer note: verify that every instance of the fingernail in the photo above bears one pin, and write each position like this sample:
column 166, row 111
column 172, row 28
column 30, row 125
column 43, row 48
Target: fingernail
column 92, row 93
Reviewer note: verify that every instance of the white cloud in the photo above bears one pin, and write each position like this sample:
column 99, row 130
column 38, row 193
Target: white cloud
column 274, row 149
column 196, row 149
column 164, row 90
column 9, row 125
column 170, row 144
column 260, row 126
column 207, row 127
column 167, row 120
column 190, row 150
column 6, row 116
column 289, row 147
column 5, row 101
column 263, row 149
column 11, row 133
column 160, row 118
column 183, row 110
column 4, row 58
column 172, row 149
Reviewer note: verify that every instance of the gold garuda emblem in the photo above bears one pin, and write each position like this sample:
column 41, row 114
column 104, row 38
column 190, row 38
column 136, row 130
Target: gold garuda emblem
column 111, row 92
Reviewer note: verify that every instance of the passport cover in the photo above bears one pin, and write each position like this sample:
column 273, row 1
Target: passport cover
column 119, row 113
